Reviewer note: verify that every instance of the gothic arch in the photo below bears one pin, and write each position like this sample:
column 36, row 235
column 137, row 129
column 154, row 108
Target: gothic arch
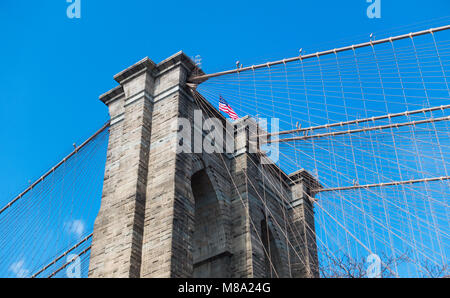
column 197, row 164
column 211, row 257
column 274, row 266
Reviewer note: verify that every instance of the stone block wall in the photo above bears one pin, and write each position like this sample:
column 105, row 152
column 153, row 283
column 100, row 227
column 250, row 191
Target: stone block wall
column 165, row 214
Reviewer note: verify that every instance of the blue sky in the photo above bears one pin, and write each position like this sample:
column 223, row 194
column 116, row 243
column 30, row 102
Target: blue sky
column 54, row 68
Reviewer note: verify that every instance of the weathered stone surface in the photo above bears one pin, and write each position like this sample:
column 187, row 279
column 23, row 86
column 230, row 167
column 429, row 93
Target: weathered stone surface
column 192, row 214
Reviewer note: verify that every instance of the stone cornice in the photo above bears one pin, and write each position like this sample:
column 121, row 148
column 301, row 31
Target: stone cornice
column 304, row 176
column 144, row 65
column 175, row 59
column 147, row 65
column 112, row 94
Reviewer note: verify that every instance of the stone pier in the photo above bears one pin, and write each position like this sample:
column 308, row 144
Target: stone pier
column 165, row 214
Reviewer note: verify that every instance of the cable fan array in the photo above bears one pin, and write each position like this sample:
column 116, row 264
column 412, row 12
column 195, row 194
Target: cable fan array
column 46, row 231
column 370, row 122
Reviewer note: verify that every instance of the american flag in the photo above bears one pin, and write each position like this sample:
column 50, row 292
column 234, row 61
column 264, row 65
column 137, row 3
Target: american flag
column 225, row 107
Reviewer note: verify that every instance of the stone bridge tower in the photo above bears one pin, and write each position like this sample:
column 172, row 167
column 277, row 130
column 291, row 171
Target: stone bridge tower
column 165, row 214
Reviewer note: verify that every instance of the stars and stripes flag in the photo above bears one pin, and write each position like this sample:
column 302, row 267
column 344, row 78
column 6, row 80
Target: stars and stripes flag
column 226, row 108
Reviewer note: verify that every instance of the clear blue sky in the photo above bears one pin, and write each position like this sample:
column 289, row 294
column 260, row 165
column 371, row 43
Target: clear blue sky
column 54, row 68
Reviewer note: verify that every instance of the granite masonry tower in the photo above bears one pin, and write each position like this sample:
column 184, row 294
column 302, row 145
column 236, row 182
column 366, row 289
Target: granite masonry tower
column 165, row 214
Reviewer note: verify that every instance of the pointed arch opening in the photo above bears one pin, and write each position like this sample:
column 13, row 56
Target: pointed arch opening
column 211, row 259
column 272, row 259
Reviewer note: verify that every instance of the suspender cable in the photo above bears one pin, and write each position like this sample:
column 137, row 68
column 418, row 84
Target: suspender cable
column 54, row 168
column 358, row 121
column 62, row 255
column 394, row 183
column 393, row 125
column 203, row 78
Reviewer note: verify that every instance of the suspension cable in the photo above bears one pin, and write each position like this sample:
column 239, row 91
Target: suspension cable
column 203, row 78
column 63, row 161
